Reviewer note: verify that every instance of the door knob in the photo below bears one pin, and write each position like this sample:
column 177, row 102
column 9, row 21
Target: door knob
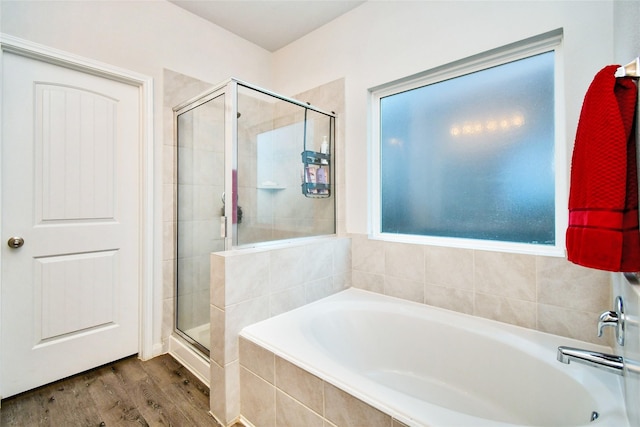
column 15, row 242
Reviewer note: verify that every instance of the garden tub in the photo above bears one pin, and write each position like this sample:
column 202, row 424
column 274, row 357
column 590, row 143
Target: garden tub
column 426, row 366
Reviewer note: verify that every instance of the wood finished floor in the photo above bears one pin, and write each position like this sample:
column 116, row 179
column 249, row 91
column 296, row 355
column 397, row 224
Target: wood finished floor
column 129, row 392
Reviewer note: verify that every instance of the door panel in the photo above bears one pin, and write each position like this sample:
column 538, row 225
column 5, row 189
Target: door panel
column 74, row 293
column 75, row 133
column 70, row 189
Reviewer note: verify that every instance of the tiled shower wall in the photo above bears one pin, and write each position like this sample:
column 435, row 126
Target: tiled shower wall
column 270, row 140
column 330, row 97
column 548, row 294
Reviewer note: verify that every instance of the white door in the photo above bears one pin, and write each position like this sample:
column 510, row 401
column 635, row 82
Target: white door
column 70, row 190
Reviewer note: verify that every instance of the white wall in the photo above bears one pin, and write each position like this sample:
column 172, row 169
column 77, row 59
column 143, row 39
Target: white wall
column 381, row 41
column 145, row 37
column 626, row 32
column 140, row 35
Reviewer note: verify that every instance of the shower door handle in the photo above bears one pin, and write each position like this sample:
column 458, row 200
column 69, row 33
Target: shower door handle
column 223, row 227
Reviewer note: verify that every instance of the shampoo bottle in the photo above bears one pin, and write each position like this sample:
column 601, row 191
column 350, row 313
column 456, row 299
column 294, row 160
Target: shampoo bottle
column 324, row 147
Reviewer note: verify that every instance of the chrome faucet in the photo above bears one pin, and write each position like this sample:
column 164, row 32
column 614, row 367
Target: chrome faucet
column 608, row 362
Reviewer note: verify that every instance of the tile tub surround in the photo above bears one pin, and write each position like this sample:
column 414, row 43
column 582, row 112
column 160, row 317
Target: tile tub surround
column 548, row 294
column 251, row 285
column 275, row 392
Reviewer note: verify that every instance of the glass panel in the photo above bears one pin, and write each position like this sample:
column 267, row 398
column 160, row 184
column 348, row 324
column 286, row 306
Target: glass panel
column 200, row 188
column 270, row 171
column 473, row 156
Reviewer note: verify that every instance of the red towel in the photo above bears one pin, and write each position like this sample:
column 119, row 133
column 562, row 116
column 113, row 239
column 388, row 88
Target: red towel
column 603, row 198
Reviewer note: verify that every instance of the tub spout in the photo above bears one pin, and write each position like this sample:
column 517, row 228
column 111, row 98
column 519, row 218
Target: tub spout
column 608, row 362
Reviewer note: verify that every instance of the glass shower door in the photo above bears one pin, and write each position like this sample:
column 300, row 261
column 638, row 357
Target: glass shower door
column 200, row 188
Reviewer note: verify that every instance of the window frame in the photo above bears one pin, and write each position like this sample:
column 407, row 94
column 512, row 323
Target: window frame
column 548, row 42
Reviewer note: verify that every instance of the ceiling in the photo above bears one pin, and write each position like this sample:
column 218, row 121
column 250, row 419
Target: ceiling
column 270, row 24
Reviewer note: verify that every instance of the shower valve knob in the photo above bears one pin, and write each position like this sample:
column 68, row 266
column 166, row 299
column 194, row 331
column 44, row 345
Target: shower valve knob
column 614, row 319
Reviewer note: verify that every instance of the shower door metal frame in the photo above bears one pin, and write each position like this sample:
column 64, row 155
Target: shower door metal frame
column 230, row 160
column 229, row 231
column 189, row 105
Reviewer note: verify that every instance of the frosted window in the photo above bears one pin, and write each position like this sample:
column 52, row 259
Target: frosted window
column 472, row 156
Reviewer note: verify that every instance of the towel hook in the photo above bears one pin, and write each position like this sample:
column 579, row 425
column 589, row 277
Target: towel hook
column 632, row 69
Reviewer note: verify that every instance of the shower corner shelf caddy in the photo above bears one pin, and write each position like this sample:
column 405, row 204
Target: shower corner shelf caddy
column 313, row 189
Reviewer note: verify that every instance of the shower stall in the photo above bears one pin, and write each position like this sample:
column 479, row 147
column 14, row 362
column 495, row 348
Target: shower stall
column 253, row 167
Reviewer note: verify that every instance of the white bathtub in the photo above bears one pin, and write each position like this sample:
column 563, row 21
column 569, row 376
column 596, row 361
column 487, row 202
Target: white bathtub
column 426, row 366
